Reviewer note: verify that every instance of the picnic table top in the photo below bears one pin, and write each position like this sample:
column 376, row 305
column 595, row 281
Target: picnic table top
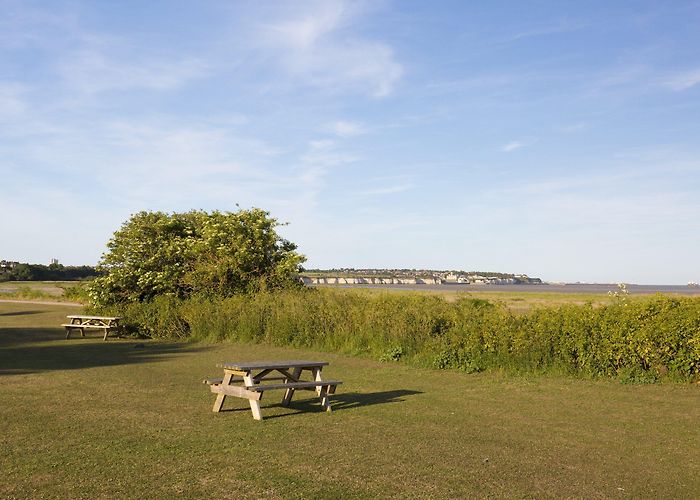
column 271, row 365
column 91, row 317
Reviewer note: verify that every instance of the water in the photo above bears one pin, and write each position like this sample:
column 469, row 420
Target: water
column 593, row 288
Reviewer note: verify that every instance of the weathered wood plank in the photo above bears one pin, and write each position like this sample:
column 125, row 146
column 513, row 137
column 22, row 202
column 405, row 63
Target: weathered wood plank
column 219, row 402
column 293, row 385
column 271, row 365
column 98, row 327
column 82, row 316
column 323, row 394
column 216, row 381
column 289, row 393
column 290, row 376
column 262, row 374
column 235, row 390
column 254, row 404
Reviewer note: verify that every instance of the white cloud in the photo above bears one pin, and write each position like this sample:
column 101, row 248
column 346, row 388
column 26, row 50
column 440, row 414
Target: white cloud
column 91, row 70
column 347, row 129
column 304, row 33
column 562, row 27
column 512, row 146
column 321, row 156
column 683, row 80
column 573, row 127
column 319, row 48
column 321, row 144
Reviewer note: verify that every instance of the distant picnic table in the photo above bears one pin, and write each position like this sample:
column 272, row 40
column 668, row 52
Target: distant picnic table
column 249, row 380
column 81, row 323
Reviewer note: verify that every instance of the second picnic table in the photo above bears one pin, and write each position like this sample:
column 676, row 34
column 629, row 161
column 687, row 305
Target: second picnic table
column 256, row 375
column 81, row 322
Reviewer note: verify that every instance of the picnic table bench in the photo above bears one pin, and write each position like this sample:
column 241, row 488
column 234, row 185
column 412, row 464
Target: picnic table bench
column 241, row 380
column 81, row 322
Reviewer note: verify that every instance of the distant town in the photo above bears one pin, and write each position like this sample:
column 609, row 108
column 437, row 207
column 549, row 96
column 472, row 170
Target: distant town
column 16, row 271
column 352, row 276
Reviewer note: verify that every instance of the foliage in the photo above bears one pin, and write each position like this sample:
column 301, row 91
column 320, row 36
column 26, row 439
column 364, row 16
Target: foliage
column 52, row 272
column 181, row 254
column 638, row 341
column 25, row 292
column 76, row 293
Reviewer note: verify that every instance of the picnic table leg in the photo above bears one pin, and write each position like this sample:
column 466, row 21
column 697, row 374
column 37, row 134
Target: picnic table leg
column 254, row 405
column 325, row 401
column 316, row 372
column 290, row 392
column 322, row 390
column 220, row 397
column 77, row 322
column 106, row 330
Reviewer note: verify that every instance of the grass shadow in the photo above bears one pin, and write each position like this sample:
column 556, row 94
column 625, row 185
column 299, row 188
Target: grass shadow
column 339, row 402
column 19, row 313
column 31, row 350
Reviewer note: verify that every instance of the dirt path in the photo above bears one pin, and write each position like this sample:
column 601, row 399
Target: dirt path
column 42, row 302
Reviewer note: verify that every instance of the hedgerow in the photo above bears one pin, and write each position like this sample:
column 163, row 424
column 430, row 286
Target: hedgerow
column 641, row 341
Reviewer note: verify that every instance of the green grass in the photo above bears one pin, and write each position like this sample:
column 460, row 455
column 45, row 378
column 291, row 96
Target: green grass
column 87, row 418
column 38, row 290
column 519, row 302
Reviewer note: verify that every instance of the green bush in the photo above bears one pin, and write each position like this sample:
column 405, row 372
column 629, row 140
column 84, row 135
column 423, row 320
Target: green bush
column 637, row 341
column 180, row 255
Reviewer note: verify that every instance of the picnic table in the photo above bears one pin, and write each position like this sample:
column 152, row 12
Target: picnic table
column 81, row 322
column 250, row 380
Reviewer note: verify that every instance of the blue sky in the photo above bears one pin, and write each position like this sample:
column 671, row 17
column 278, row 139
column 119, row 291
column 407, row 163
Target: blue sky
column 558, row 139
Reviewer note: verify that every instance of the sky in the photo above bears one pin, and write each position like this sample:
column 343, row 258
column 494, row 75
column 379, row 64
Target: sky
column 559, row 139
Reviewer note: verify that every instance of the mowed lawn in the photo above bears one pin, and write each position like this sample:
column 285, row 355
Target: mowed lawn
column 87, row 418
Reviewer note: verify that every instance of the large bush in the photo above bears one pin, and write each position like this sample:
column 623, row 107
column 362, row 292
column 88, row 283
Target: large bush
column 214, row 253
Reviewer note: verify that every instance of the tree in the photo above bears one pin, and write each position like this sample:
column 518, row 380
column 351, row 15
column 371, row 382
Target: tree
column 179, row 254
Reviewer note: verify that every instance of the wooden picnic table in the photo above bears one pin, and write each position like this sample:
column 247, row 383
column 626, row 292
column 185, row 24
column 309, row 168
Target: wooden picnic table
column 250, row 380
column 82, row 322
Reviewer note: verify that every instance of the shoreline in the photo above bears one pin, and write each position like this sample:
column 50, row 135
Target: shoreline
column 590, row 288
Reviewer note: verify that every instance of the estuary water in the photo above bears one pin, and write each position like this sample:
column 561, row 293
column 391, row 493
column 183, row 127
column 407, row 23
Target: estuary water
column 596, row 288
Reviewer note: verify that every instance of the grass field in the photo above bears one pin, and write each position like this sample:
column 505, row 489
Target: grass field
column 87, row 418
column 36, row 290
column 518, row 301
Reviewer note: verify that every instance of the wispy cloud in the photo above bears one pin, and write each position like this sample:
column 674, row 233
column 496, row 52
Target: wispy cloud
column 513, row 146
column 22, row 25
column 554, row 29
column 322, row 156
column 343, row 128
column 573, row 127
column 91, row 70
column 318, row 48
column 683, row 80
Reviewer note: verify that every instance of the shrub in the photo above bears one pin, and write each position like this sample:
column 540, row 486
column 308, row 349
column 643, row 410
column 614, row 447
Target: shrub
column 638, row 341
column 183, row 254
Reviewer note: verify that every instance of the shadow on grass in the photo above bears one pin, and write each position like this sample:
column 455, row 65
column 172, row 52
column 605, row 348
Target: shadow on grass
column 339, row 402
column 31, row 350
column 19, row 313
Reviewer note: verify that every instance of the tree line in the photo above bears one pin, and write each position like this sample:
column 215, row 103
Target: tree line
column 52, row 272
